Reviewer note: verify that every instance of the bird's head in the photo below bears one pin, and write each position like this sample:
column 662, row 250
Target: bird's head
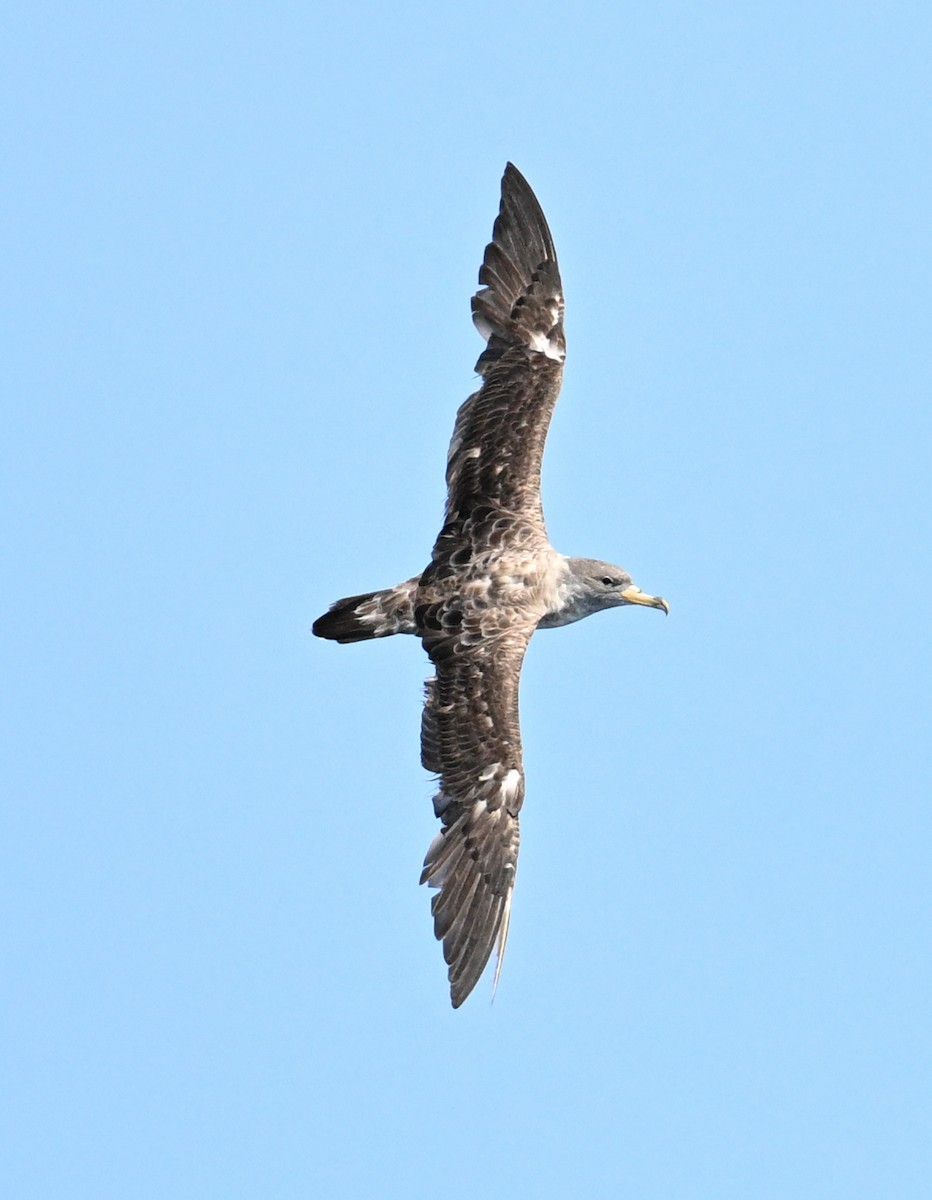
column 603, row 585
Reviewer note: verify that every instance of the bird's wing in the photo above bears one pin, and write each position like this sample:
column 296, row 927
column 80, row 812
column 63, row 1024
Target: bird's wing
column 471, row 738
column 498, row 440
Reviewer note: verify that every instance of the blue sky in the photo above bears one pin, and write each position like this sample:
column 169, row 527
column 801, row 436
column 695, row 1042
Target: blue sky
column 239, row 243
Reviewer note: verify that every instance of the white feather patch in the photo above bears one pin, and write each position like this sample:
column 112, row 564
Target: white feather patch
column 544, row 345
column 510, row 784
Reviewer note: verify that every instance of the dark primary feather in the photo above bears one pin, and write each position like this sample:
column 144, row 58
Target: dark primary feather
column 498, row 439
column 471, row 738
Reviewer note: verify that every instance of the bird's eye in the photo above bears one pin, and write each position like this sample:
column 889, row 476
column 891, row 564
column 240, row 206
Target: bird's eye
column 607, row 581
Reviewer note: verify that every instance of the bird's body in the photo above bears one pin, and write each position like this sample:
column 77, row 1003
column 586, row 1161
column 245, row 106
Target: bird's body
column 492, row 581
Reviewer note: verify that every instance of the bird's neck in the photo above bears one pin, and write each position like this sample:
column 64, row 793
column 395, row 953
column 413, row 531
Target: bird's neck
column 569, row 599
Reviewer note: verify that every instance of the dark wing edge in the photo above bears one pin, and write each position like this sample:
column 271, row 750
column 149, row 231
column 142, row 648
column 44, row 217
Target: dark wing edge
column 471, row 738
column 473, row 863
column 498, row 439
column 522, row 300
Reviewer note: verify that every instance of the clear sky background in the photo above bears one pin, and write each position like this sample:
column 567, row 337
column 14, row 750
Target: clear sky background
column 239, row 243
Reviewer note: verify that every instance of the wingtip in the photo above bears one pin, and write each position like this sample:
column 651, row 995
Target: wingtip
column 461, row 989
column 513, row 180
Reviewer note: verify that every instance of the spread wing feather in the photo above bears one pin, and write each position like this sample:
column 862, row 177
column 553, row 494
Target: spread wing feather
column 498, row 439
column 471, row 738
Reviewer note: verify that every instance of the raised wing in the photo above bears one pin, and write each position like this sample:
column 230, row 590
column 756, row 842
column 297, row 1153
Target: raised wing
column 471, row 738
column 498, row 439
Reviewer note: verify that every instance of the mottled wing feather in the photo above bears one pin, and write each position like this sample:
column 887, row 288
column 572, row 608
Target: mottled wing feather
column 498, row 439
column 471, row 738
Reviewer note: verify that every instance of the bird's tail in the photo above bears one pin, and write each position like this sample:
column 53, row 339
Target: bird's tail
column 370, row 615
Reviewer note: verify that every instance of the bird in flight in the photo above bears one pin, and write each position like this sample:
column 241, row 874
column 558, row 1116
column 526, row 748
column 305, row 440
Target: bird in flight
column 492, row 580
